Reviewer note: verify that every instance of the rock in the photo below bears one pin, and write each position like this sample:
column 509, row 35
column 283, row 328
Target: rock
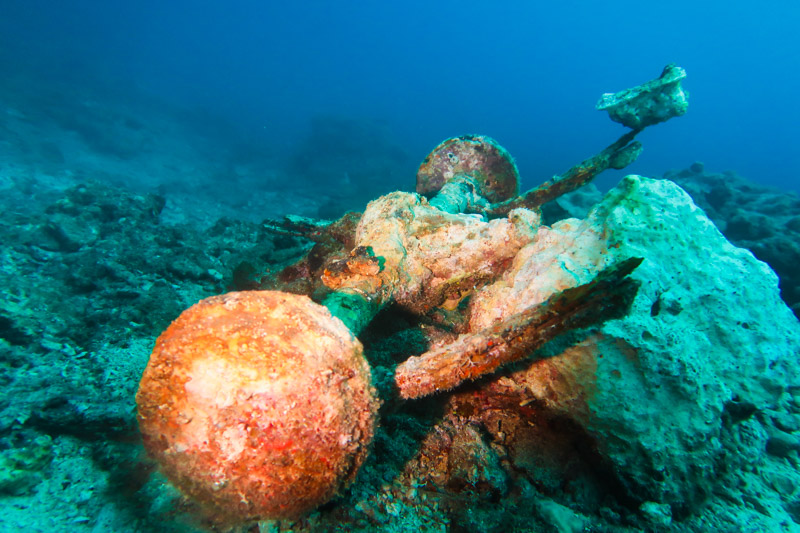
column 707, row 332
column 787, row 422
column 658, row 514
column 781, row 444
column 562, row 519
column 475, row 466
column 744, row 226
column 782, row 483
column 22, row 466
column 793, row 224
column 762, row 219
column 456, row 457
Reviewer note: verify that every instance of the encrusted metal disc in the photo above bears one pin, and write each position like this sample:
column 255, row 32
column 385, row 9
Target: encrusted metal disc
column 477, row 156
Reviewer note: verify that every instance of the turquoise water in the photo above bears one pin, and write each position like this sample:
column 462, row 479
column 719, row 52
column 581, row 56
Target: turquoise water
column 146, row 151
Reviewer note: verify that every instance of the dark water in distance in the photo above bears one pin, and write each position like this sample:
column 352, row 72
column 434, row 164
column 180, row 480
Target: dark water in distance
column 526, row 73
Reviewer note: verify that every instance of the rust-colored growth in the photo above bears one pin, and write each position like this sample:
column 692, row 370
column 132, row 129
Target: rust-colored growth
column 357, row 272
column 258, row 405
column 332, row 241
column 477, row 354
column 477, row 156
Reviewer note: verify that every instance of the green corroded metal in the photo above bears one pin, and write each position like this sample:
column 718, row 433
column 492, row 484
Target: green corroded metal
column 652, row 102
column 354, row 309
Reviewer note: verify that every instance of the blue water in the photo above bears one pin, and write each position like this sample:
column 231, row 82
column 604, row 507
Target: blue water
column 142, row 144
column 526, row 73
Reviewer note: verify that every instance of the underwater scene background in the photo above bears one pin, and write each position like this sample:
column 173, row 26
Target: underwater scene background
column 149, row 152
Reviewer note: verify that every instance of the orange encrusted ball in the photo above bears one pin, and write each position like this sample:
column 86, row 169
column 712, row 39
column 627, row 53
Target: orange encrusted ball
column 258, row 405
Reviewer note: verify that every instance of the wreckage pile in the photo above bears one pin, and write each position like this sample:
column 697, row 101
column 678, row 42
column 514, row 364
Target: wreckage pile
column 628, row 362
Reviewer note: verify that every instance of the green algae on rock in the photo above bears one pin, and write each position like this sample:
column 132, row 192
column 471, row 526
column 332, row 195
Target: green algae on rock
column 666, row 395
column 652, row 102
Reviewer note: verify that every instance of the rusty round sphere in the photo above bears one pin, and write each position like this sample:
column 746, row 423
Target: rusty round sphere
column 258, row 405
column 477, row 156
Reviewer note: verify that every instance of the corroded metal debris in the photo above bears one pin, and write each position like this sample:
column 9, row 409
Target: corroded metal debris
column 473, row 355
column 477, row 156
column 259, row 404
column 652, row 102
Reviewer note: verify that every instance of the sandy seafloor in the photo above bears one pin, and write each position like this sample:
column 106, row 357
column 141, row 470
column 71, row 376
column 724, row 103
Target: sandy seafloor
column 117, row 215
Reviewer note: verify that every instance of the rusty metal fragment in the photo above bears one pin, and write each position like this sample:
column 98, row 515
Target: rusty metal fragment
column 478, row 156
column 617, row 155
column 477, row 354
